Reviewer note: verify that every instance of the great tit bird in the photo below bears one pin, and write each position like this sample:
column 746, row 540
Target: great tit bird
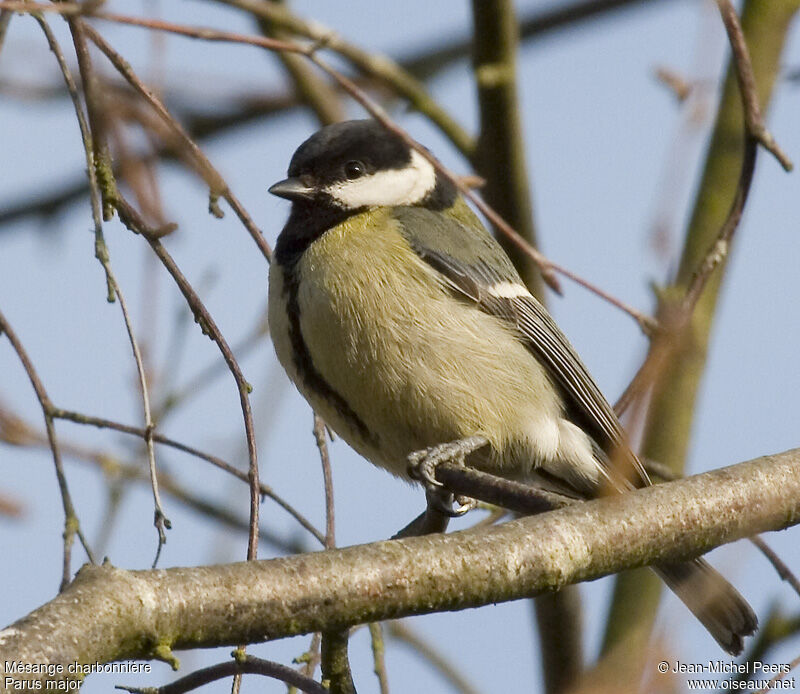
column 406, row 327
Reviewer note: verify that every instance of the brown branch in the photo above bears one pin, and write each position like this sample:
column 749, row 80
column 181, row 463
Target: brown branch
column 216, row 183
column 420, row 66
column 675, row 317
column 245, row 664
column 134, row 222
column 72, row 526
column 429, row 652
column 378, row 659
column 333, row 643
column 14, row 431
column 380, row 67
column 264, row 490
column 778, row 564
column 754, row 122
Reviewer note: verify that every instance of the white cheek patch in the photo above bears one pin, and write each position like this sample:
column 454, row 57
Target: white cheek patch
column 508, row 290
column 406, row 186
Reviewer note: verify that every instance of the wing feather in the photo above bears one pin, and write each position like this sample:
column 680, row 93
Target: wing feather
column 473, row 279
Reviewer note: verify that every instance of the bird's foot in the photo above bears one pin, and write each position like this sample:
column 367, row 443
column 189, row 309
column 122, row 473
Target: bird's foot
column 441, row 501
column 422, row 467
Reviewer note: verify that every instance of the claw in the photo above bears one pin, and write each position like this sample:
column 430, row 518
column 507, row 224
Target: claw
column 465, row 504
column 422, row 464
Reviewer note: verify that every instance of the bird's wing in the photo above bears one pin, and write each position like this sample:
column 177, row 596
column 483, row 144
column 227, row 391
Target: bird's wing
column 475, row 267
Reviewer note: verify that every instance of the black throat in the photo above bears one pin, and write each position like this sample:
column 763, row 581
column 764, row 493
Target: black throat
column 307, row 222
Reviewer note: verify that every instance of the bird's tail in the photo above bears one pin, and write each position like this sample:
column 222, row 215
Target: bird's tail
column 715, row 602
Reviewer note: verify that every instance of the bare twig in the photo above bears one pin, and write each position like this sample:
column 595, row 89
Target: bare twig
column 334, row 642
column 378, row 659
column 380, row 67
column 754, row 121
column 14, row 431
column 72, row 526
column 244, row 664
column 399, row 629
column 217, row 185
column 778, row 564
column 325, row 459
column 160, row 520
column 263, row 489
column 310, row 659
column 679, row 85
column 675, row 316
column 131, row 219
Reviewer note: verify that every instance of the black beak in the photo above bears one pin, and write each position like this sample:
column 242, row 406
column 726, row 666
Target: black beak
column 292, row 189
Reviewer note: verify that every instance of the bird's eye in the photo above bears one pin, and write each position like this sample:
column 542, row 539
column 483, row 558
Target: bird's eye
column 354, row 169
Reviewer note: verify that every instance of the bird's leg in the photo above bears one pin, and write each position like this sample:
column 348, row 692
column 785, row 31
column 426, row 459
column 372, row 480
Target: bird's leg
column 422, row 467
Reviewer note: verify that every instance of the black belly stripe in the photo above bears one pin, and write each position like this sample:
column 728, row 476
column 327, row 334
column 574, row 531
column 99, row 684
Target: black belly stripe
column 304, row 363
column 307, row 222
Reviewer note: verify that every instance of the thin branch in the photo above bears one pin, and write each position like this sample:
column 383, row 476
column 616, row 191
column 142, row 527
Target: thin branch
column 263, row 489
column 216, row 183
column 160, row 519
column 16, row 432
column 778, row 564
column 378, row 659
column 422, row 66
column 72, row 526
column 320, row 96
column 311, row 657
column 674, row 318
column 210, row 327
column 431, row 654
column 381, row 67
column 101, row 252
column 754, row 121
column 325, row 459
column 334, row 658
column 246, row 664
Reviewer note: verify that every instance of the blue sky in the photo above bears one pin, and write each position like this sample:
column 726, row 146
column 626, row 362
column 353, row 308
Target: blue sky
column 609, row 153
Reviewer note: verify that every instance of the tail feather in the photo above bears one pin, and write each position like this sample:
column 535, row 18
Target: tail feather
column 716, row 603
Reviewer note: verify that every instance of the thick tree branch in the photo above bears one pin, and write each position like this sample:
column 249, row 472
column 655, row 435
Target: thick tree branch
column 111, row 614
